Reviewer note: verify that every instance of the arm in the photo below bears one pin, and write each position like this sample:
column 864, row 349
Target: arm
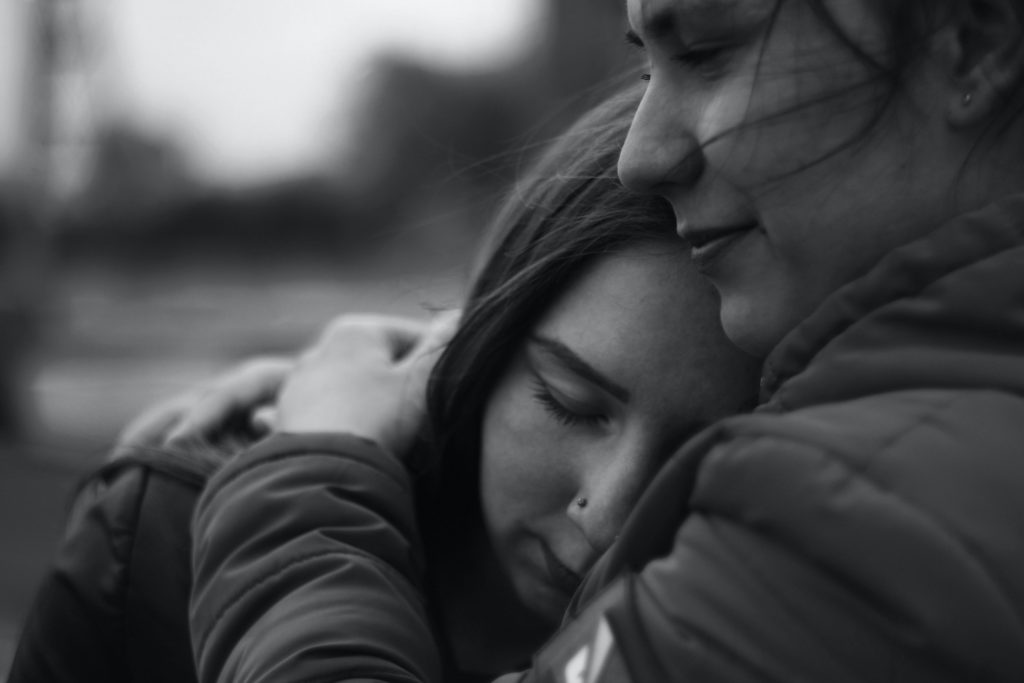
column 307, row 567
column 306, row 555
column 725, row 604
column 771, row 550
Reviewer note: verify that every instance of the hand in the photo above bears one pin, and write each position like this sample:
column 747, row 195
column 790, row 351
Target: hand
column 367, row 376
column 204, row 412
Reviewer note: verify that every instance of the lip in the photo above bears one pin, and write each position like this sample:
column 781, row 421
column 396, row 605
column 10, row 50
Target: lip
column 559, row 575
column 709, row 245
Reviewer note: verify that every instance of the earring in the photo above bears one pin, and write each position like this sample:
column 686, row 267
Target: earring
column 968, row 97
column 581, row 502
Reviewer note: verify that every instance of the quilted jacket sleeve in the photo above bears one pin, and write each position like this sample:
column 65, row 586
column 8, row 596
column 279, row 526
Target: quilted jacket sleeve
column 306, row 567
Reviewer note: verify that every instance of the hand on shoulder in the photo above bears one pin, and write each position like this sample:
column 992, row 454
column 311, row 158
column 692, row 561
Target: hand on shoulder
column 366, row 376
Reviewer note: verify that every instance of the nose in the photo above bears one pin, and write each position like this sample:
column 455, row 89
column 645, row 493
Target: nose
column 609, row 489
column 661, row 150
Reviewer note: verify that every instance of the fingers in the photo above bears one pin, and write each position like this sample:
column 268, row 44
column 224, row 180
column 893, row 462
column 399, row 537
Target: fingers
column 419, row 363
column 366, row 376
column 240, row 391
column 151, row 427
column 352, row 352
column 264, row 420
column 440, row 331
column 371, row 336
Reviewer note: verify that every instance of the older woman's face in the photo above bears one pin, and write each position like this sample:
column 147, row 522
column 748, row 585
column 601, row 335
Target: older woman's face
column 627, row 363
column 746, row 128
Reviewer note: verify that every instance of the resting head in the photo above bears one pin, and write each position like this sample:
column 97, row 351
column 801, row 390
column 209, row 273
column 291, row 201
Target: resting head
column 800, row 141
column 589, row 349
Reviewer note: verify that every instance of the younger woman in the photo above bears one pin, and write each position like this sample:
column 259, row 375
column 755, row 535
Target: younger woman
column 584, row 355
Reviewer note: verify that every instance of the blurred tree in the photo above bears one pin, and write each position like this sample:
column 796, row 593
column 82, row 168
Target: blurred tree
column 142, row 206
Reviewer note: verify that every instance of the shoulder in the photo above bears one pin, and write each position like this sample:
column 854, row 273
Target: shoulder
column 897, row 441
column 102, row 520
column 903, row 501
column 115, row 599
column 948, row 457
column 115, row 507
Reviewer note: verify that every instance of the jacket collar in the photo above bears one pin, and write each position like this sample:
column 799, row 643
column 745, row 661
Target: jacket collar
column 945, row 311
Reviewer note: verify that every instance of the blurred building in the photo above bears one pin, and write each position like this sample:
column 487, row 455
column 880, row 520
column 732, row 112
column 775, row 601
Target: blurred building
column 431, row 151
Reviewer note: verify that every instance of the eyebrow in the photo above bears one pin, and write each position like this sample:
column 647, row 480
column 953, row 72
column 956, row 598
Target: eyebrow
column 633, row 39
column 577, row 365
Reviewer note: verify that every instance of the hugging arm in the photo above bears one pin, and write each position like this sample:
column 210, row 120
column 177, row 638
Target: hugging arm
column 756, row 555
column 331, row 590
column 308, row 567
column 307, row 557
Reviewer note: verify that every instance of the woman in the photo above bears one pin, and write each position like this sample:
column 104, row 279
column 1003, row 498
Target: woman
column 516, row 502
column 847, row 175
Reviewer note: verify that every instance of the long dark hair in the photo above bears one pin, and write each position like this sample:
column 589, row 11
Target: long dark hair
column 567, row 211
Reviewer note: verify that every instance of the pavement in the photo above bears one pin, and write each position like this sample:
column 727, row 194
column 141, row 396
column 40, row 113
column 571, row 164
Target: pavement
column 33, row 498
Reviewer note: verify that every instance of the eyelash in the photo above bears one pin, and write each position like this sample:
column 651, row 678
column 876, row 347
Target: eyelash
column 698, row 60
column 699, row 57
column 550, row 404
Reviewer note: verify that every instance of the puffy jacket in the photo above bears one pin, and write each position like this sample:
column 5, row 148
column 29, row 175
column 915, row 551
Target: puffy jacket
column 114, row 605
column 865, row 524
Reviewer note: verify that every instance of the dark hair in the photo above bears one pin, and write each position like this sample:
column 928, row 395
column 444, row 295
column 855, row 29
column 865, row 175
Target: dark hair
column 568, row 210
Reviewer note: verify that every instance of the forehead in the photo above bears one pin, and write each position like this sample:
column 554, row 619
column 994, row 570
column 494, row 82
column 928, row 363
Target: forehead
column 647, row 321
column 628, row 284
column 643, row 303
column 659, row 18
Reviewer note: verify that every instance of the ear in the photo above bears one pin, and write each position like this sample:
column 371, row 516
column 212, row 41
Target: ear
column 982, row 50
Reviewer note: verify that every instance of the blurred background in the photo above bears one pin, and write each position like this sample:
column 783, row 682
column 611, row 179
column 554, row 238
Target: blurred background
column 185, row 183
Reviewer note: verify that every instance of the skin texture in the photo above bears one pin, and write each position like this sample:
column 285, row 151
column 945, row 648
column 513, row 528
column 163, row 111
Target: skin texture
column 644, row 322
column 745, row 122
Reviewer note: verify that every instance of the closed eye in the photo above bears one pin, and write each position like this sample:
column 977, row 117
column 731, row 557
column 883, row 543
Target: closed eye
column 633, row 40
column 542, row 394
column 700, row 57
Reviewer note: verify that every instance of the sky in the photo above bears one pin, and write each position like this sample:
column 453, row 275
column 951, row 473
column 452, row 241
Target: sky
column 12, row 44
column 251, row 87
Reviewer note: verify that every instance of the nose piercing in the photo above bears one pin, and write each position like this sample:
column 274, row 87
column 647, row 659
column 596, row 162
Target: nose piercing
column 581, row 502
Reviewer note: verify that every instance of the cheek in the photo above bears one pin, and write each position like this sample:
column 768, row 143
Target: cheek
column 522, row 475
column 805, row 96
